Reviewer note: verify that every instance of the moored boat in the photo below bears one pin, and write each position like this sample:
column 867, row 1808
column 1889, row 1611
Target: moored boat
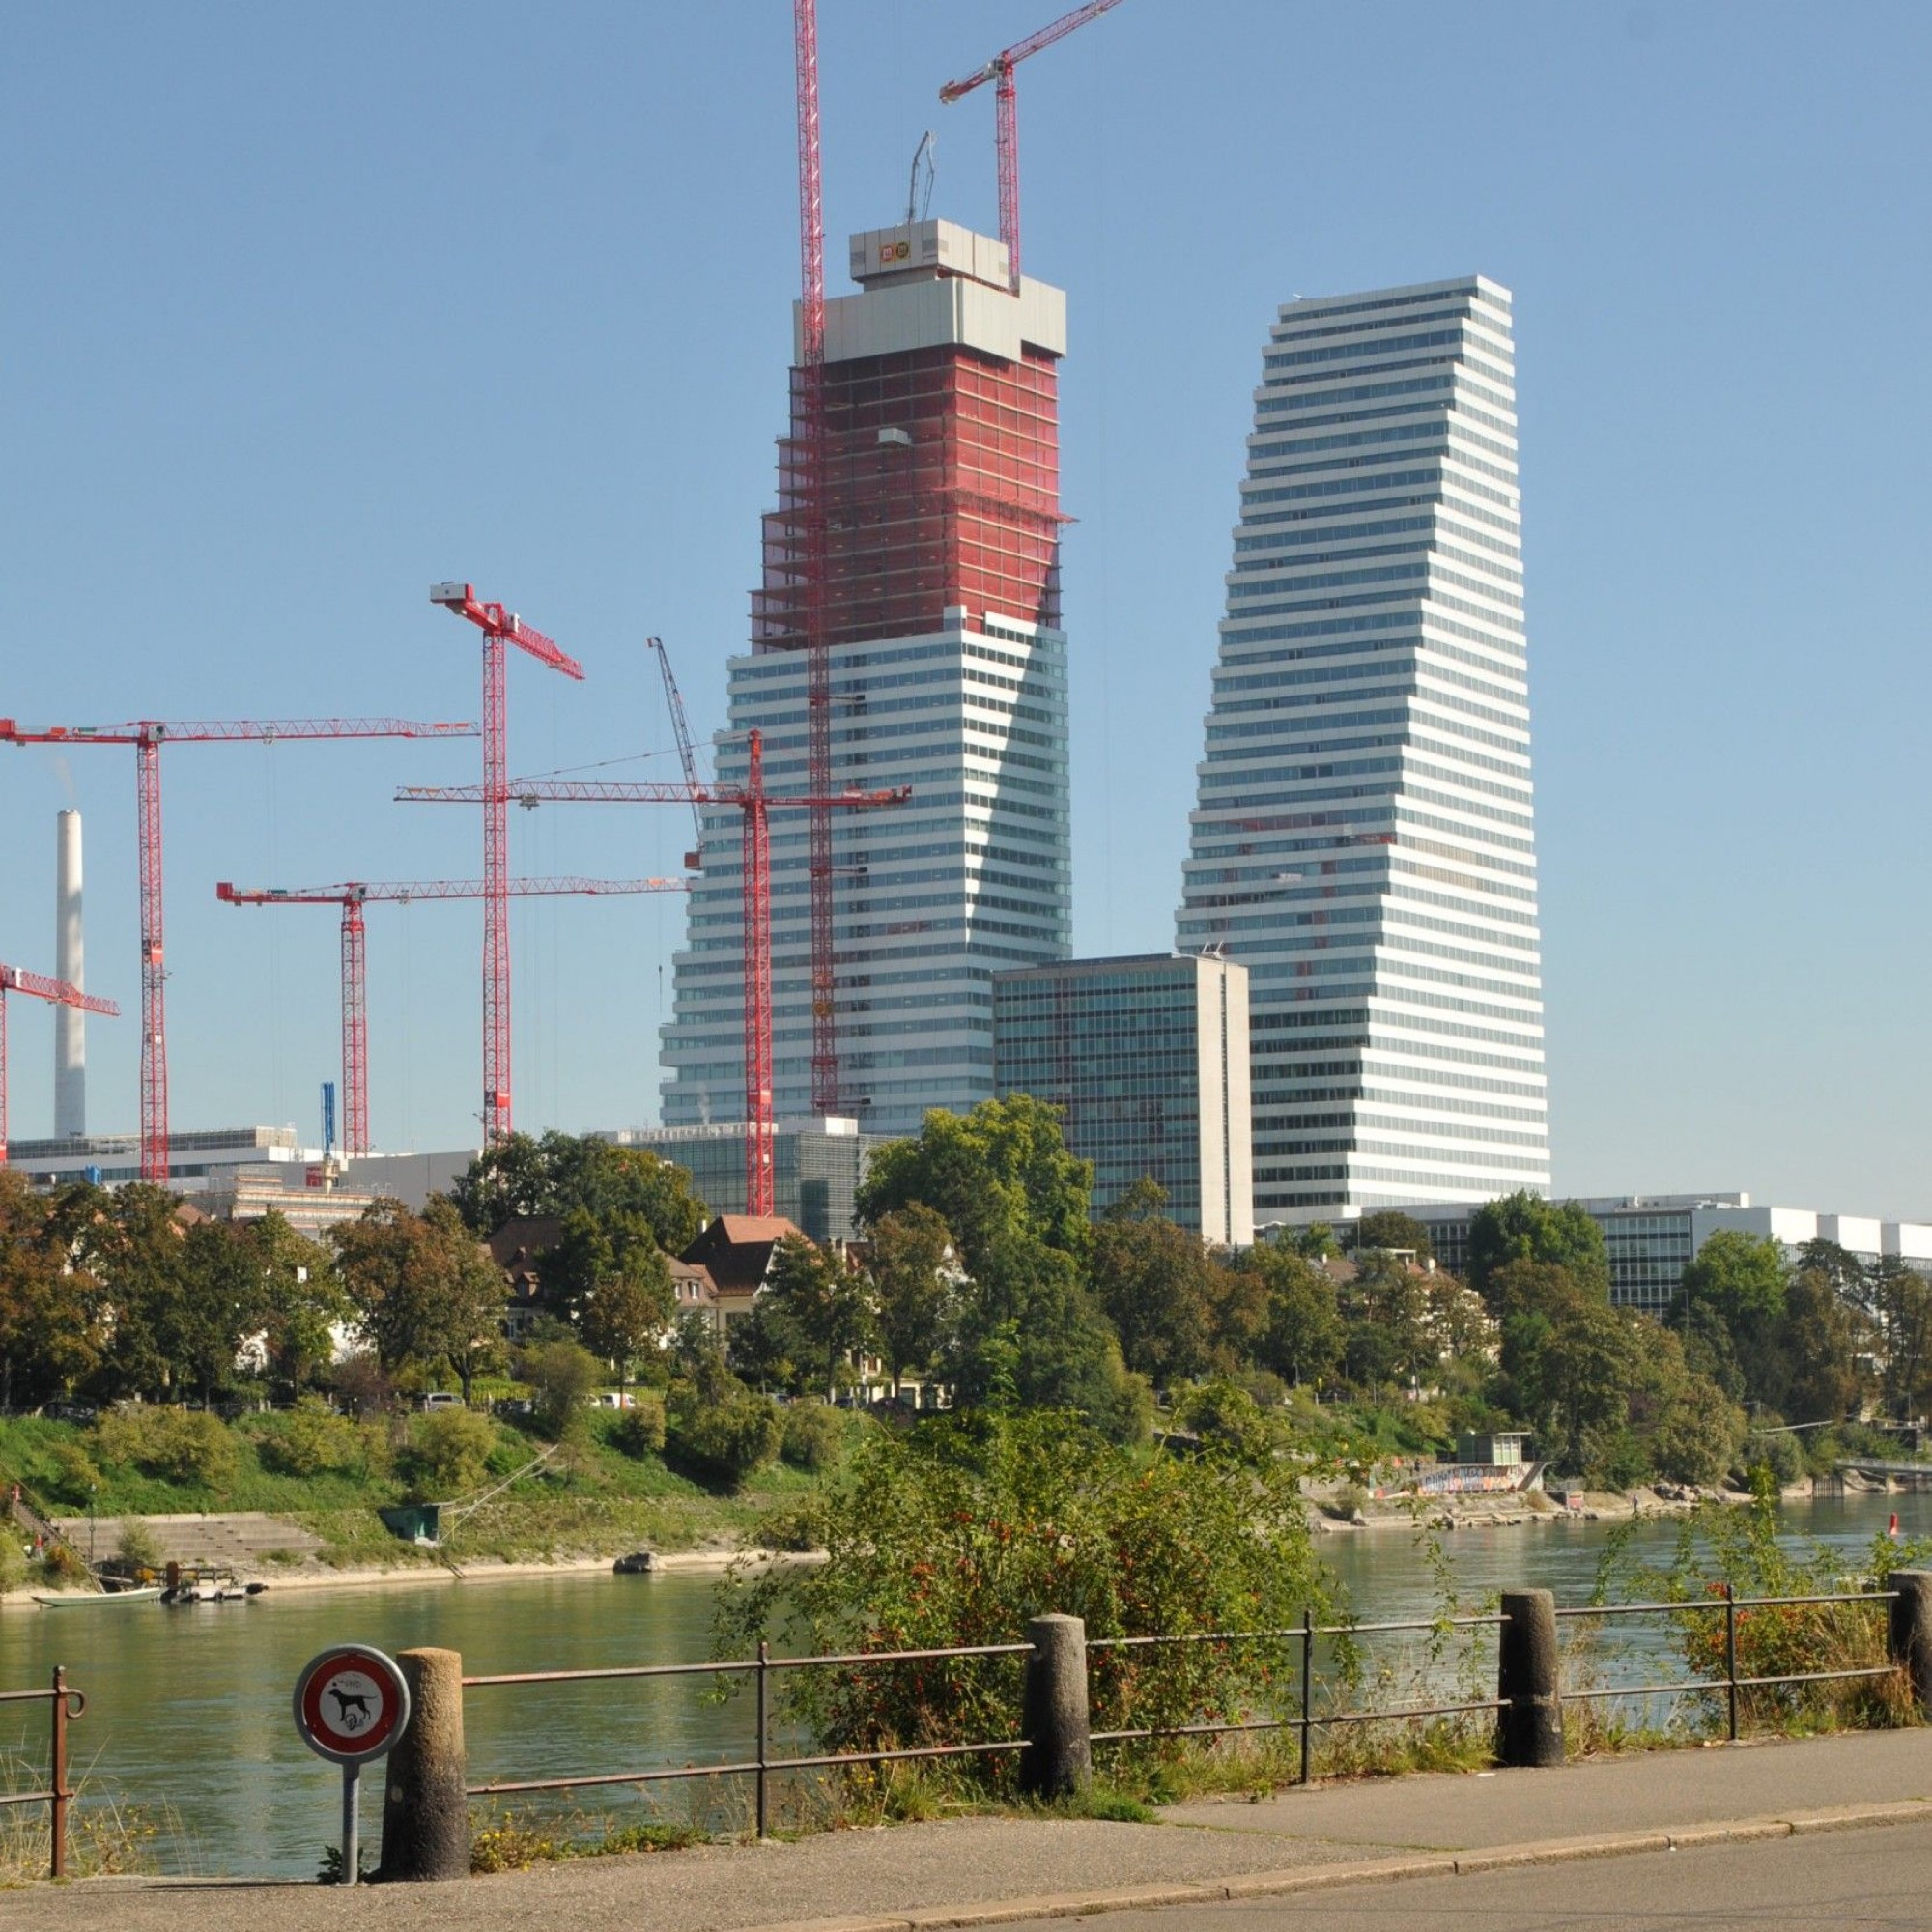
column 94, row 1599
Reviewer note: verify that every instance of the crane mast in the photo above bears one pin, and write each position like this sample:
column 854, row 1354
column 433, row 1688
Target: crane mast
column 812, row 511
column 500, row 629
column 1007, row 115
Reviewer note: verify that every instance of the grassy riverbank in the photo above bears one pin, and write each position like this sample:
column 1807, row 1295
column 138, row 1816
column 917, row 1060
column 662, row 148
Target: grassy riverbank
column 594, row 1498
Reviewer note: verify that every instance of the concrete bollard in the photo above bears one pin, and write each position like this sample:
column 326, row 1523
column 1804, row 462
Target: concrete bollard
column 1909, row 1632
column 1058, row 1761
column 1529, row 1726
column 425, row 1808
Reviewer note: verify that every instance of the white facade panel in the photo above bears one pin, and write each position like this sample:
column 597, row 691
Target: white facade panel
column 1909, row 1241
column 891, row 320
column 1859, row 1233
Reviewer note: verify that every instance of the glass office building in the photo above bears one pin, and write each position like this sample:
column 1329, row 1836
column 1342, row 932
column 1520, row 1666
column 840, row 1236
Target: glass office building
column 816, row 1168
column 1364, row 839
column 1147, row 1060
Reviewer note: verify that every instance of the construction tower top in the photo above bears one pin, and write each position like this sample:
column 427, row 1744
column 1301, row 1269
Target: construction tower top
column 928, row 284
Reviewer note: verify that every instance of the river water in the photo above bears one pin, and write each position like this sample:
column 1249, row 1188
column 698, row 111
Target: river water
column 188, row 1708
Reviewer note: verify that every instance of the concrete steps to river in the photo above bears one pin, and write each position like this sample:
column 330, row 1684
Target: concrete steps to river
column 243, row 1540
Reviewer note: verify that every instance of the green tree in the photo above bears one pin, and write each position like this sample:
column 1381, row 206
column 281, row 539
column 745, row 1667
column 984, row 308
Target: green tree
column 1142, row 1199
column 1837, row 1265
column 1315, row 1242
column 1523, row 1227
column 303, row 1303
column 562, row 1376
column 1902, row 1301
column 134, row 1248
column 223, row 1301
column 614, row 1279
column 53, row 1328
column 563, row 1173
column 178, row 1298
column 1303, row 1339
column 423, row 1288
column 1822, row 1337
column 1459, row 1324
column 1391, row 1230
column 1156, row 1284
column 1029, row 1337
column 1385, row 1315
column 715, row 1425
column 1740, row 1279
column 823, row 1303
column 914, row 1289
column 1238, row 1313
column 1698, row 1437
column 1015, row 1202
column 1569, row 1360
column 999, row 1173
column 450, row 1450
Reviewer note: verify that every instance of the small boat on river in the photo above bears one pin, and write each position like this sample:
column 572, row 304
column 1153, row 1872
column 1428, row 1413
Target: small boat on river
column 95, row 1600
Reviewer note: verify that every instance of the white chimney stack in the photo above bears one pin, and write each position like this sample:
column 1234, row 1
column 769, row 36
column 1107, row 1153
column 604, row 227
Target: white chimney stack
column 70, row 964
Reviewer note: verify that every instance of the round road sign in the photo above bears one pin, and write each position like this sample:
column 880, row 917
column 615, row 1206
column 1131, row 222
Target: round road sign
column 351, row 1703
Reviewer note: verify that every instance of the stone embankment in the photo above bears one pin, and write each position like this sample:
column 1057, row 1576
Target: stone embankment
column 1334, row 1509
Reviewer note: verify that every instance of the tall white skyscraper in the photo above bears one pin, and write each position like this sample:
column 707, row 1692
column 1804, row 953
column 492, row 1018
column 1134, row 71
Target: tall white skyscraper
column 1364, row 840
column 947, row 674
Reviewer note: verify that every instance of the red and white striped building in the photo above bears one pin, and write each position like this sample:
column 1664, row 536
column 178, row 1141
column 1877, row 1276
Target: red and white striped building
column 947, row 674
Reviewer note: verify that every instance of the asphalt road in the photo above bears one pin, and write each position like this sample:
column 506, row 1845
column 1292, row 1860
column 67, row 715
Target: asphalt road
column 1859, row 1878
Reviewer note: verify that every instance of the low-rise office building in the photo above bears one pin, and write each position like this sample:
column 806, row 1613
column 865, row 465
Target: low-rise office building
column 1147, row 1057
column 816, row 1167
column 1651, row 1238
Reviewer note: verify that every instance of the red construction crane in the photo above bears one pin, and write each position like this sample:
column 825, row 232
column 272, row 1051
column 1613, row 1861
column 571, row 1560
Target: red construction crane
column 13, row 979
column 687, row 753
column 352, row 896
column 812, row 512
column 1007, row 117
column 148, row 735
column 751, row 799
column 500, row 627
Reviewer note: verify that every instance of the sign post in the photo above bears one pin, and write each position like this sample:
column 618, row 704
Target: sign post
column 351, row 1705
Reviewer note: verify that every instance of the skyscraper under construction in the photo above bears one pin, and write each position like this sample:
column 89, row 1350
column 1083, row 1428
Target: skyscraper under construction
column 941, row 610
column 1365, row 841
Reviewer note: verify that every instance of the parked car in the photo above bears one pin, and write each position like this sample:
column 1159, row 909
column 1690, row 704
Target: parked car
column 441, row 1399
column 616, row 1398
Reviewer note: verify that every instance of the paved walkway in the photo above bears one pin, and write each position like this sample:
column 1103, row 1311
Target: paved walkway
column 980, row 1871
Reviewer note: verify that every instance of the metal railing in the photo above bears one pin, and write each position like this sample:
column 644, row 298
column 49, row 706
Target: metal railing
column 1727, row 1603
column 762, row 1764
column 64, row 1705
column 1306, row 1720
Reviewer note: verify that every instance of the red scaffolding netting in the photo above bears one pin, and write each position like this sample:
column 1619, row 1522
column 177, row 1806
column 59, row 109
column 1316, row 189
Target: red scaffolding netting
column 942, row 488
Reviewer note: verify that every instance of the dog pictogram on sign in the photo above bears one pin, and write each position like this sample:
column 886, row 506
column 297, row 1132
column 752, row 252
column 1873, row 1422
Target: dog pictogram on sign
column 351, row 1703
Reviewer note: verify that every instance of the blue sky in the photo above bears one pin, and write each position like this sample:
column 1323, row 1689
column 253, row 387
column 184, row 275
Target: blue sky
column 307, row 307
